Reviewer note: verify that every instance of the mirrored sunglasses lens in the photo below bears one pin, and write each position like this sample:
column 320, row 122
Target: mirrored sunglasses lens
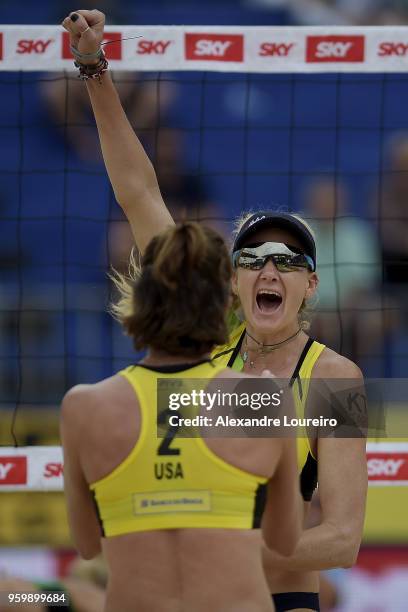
column 254, row 260
column 250, row 263
column 246, row 259
column 287, row 263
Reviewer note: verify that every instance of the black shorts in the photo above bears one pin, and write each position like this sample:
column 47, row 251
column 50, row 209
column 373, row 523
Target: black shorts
column 292, row 601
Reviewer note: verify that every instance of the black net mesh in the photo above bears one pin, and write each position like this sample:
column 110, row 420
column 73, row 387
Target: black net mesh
column 332, row 147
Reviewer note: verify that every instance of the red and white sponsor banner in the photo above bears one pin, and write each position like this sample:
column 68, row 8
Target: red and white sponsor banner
column 33, row 468
column 339, row 49
column 112, row 43
column 216, row 48
column 40, row 468
column 203, row 46
column 387, row 463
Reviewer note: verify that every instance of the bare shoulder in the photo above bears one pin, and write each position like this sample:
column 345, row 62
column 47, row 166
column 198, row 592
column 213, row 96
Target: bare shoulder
column 333, row 365
column 84, row 400
column 342, row 397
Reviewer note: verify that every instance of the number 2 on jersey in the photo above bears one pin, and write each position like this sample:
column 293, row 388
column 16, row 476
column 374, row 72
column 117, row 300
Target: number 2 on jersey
column 165, row 447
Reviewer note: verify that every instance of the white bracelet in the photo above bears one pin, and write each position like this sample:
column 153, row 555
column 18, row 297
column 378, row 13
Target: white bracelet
column 87, row 56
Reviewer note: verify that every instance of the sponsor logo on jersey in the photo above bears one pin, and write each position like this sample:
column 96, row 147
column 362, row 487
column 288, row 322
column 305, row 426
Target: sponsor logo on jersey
column 165, row 502
column 112, row 50
column 335, row 49
column 273, row 49
column 152, row 47
column 219, row 47
column 13, row 470
column 29, row 46
column 392, row 49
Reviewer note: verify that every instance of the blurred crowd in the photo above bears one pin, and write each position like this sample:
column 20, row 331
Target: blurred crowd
column 338, row 12
column 284, row 12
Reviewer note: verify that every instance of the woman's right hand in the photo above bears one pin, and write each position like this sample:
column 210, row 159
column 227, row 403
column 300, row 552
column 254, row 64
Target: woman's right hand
column 85, row 30
column 130, row 170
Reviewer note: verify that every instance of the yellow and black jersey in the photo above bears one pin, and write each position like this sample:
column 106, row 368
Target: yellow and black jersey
column 230, row 356
column 173, row 482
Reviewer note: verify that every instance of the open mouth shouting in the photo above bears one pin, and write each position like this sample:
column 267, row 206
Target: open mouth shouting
column 268, row 300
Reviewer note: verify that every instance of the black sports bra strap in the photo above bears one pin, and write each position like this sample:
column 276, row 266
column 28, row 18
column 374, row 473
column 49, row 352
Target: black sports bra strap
column 236, row 350
column 301, row 360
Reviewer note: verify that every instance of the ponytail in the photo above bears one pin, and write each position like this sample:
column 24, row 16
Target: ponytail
column 176, row 300
column 180, row 254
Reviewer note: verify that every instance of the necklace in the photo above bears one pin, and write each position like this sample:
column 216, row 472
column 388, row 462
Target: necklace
column 264, row 348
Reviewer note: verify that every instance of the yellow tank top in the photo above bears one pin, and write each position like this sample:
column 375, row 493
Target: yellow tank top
column 174, row 482
column 229, row 356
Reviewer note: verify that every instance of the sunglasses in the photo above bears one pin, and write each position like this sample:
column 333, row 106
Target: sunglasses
column 285, row 258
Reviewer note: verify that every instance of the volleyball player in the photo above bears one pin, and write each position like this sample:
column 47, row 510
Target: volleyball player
column 271, row 336
column 175, row 513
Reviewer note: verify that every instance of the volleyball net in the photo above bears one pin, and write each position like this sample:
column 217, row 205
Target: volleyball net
column 312, row 120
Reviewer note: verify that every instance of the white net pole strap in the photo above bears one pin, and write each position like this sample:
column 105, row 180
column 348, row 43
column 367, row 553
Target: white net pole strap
column 40, row 468
column 216, row 48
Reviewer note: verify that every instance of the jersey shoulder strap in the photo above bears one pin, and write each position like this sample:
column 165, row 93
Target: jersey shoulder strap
column 310, row 354
column 227, row 353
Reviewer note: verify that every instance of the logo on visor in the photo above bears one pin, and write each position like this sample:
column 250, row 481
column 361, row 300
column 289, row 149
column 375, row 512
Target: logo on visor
column 256, row 220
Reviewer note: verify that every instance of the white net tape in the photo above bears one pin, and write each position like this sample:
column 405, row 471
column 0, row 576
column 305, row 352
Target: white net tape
column 216, row 48
column 40, row 468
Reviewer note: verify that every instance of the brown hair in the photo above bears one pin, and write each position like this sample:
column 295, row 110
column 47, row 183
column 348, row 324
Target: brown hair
column 176, row 300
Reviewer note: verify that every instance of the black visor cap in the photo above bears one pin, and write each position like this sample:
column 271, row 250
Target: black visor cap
column 284, row 221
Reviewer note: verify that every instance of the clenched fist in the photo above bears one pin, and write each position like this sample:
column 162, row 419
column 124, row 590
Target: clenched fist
column 85, row 31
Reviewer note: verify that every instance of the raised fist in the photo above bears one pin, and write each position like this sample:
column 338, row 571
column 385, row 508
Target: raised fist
column 85, row 31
